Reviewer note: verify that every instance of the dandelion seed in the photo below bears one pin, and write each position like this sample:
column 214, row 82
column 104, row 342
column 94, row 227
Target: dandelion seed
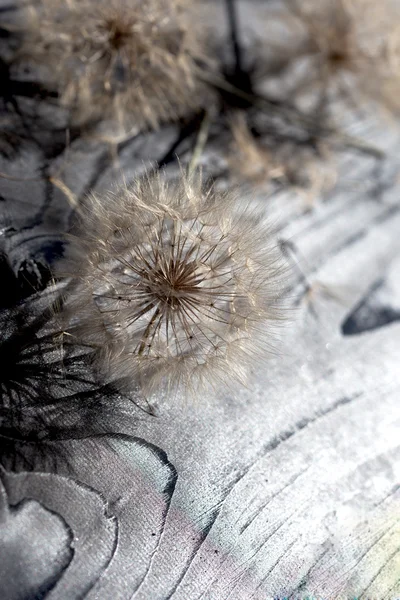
column 177, row 285
column 129, row 62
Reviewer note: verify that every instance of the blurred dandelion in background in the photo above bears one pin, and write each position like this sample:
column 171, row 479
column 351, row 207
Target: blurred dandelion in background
column 130, row 62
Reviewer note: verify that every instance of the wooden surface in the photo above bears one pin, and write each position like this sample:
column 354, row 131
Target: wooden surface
column 291, row 488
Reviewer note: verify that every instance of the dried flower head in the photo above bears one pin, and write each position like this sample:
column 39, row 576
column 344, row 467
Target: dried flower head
column 130, row 61
column 248, row 158
column 307, row 170
column 351, row 45
column 177, row 285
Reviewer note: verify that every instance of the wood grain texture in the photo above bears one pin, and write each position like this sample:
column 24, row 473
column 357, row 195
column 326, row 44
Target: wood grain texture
column 290, row 489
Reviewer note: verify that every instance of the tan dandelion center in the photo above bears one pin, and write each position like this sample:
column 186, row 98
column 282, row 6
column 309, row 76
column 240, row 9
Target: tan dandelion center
column 175, row 294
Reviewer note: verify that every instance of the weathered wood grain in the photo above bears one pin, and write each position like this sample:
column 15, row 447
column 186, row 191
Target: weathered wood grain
column 291, row 488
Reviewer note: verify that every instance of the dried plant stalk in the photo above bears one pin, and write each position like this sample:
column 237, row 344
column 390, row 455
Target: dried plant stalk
column 177, row 285
column 130, row 61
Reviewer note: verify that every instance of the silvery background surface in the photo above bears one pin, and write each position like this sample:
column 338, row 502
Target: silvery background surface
column 288, row 489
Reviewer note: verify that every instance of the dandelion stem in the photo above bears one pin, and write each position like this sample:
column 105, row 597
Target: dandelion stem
column 200, row 144
column 72, row 199
column 233, row 26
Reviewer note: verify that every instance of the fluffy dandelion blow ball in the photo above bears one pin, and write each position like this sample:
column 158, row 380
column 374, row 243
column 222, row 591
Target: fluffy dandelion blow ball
column 177, row 285
column 130, row 61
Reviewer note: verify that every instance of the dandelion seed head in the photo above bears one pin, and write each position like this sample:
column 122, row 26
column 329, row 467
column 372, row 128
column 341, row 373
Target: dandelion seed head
column 259, row 162
column 179, row 286
column 127, row 61
column 351, row 42
column 329, row 54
